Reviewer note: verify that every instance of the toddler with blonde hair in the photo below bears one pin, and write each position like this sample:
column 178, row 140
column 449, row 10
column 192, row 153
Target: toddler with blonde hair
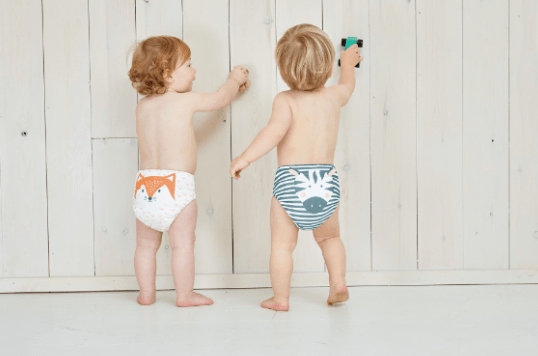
column 164, row 197
column 304, row 128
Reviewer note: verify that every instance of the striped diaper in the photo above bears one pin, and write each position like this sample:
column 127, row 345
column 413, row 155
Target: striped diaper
column 309, row 193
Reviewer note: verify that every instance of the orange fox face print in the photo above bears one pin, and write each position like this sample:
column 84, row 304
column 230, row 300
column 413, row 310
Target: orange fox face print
column 151, row 187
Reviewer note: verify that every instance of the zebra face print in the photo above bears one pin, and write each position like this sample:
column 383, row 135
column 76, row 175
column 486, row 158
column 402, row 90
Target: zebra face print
column 308, row 193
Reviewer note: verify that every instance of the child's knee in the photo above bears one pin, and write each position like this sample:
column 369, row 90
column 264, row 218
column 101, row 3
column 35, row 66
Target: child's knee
column 182, row 242
column 147, row 244
column 288, row 246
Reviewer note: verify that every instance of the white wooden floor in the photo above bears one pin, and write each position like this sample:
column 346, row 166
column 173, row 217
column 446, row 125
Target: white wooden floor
column 434, row 320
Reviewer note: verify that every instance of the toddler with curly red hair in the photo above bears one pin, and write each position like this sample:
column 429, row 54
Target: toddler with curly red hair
column 164, row 197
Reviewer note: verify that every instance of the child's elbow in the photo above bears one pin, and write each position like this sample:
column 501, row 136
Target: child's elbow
column 345, row 95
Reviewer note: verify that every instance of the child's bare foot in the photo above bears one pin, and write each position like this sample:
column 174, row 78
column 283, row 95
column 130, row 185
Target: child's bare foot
column 338, row 295
column 272, row 303
column 193, row 299
column 146, row 298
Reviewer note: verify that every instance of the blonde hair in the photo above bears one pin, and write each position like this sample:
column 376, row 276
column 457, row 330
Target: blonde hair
column 305, row 57
column 154, row 59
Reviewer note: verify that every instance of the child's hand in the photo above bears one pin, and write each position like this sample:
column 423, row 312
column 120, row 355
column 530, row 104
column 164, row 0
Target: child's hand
column 237, row 165
column 239, row 74
column 243, row 88
column 350, row 57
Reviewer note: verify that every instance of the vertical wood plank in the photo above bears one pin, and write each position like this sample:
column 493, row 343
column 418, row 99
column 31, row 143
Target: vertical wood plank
column 205, row 29
column 291, row 13
column 158, row 18
column 439, row 134
column 307, row 255
column 393, row 135
column 523, row 134
column 67, row 110
column 252, row 39
column 115, row 164
column 1, row 227
column 485, row 134
column 112, row 35
column 23, row 209
column 343, row 18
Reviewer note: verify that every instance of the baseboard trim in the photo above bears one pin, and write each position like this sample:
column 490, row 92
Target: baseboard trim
column 261, row 280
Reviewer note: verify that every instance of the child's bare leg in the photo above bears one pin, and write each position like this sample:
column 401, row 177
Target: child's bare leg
column 182, row 238
column 147, row 244
column 328, row 238
column 283, row 242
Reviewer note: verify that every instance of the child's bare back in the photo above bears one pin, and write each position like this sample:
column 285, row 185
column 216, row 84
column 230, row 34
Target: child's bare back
column 313, row 129
column 165, row 132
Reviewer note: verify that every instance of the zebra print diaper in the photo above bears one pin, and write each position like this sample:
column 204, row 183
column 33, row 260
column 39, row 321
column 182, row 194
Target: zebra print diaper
column 308, row 192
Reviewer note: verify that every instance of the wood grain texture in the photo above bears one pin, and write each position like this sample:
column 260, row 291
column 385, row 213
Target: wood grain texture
column 115, row 164
column 23, row 208
column 252, row 39
column 205, row 29
column 68, row 123
column 485, row 134
column 393, row 135
column 158, row 18
column 523, row 134
column 112, row 35
column 439, row 134
column 343, row 18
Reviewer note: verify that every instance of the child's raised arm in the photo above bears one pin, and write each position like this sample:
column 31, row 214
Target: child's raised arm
column 268, row 137
column 226, row 93
column 348, row 60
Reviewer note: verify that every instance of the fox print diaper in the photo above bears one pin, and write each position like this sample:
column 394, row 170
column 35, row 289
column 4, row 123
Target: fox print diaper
column 160, row 195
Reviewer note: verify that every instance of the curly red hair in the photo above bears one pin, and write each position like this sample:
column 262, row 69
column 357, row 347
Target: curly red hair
column 154, row 58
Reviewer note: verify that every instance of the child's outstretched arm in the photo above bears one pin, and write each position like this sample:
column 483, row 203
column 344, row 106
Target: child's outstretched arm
column 348, row 60
column 237, row 80
column 267, row 139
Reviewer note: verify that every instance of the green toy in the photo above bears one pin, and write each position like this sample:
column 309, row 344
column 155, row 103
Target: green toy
column 348, row 42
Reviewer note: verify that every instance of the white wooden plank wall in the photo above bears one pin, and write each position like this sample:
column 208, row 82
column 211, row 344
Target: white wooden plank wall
column 205, row 30
column 437, row 151
column 112, row 35
column 68, row 137
column 115, row 163
column 23, row 239
column 523, row 131
column 252, row 41
column 485, row 134
column 158, row 18
column 393, row 134
column 439, row 134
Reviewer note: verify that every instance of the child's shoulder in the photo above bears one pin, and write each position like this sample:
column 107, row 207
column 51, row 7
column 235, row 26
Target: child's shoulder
column 296, row 95
column 163, row 100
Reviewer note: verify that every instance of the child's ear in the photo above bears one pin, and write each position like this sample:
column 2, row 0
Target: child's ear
column 166, row 75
